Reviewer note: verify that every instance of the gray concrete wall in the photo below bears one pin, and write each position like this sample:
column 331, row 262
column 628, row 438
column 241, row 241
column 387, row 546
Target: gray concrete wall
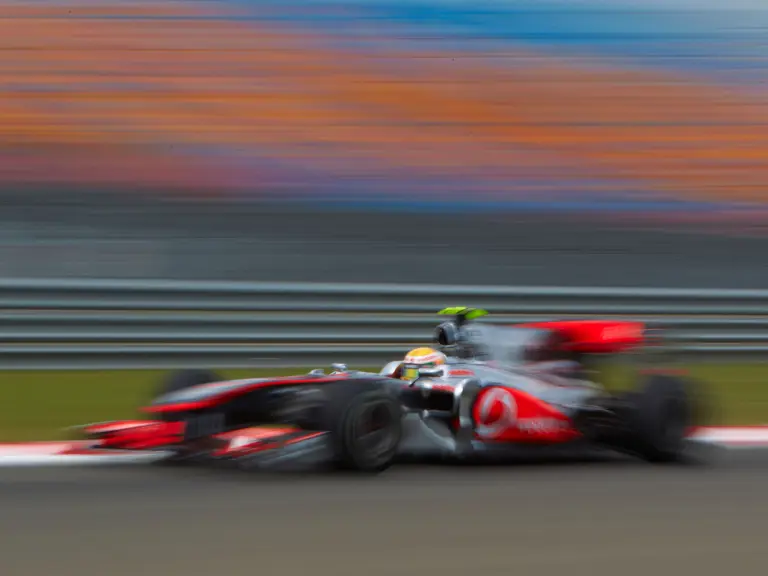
column 110, row 237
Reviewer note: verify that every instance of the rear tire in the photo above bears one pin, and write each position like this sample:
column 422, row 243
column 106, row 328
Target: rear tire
column 660, row 419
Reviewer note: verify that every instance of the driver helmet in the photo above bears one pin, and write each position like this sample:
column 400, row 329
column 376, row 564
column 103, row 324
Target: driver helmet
column 419, row 358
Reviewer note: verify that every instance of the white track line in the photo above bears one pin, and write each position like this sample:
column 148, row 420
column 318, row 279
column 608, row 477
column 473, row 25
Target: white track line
column 733, row 437
column 76, row 453
column 69, row 454
column 12, row 461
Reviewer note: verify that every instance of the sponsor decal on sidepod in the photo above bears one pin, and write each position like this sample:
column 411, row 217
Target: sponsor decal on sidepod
column 497, row 413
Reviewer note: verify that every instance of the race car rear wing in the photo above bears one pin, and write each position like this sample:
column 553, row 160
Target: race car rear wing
column 596, row 336
column 580, row 336
column 633, row 345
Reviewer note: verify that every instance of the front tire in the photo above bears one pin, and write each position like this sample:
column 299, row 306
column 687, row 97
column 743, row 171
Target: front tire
column 365, row 425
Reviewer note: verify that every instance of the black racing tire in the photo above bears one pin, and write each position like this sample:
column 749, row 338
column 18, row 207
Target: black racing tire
column 662, row 413
column 183, row 379
column 365, row 422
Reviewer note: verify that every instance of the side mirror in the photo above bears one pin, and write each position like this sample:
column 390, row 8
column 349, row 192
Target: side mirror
column 317, row 372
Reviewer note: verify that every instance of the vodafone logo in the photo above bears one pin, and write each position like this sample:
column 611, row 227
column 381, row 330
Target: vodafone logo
column 496, row 412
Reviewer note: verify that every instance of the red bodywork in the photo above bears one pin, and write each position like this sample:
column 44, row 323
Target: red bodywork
column 595, row 336
column 136, row 434
column 249, row 441
column 156, row 435
column 504, row 414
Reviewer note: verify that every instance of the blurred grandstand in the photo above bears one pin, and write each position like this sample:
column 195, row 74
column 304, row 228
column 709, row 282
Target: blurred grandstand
column 385, row 140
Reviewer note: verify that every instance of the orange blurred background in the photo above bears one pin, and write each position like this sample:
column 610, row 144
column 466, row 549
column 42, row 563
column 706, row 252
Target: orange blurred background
column 406, row 105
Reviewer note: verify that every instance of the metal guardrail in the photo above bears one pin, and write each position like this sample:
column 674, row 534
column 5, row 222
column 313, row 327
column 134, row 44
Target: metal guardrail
column 123, row 324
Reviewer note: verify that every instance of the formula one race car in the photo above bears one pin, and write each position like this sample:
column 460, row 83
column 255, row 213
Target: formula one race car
column 501, row 388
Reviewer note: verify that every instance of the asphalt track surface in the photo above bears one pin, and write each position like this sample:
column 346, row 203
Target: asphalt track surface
column 598, row 517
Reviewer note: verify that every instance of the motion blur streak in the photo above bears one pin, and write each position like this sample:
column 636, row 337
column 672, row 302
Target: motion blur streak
column 401, row 103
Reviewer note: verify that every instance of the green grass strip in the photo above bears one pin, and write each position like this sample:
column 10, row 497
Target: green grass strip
column 39, row 405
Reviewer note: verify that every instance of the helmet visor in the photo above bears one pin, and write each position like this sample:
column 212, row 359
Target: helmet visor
column 411, row 371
